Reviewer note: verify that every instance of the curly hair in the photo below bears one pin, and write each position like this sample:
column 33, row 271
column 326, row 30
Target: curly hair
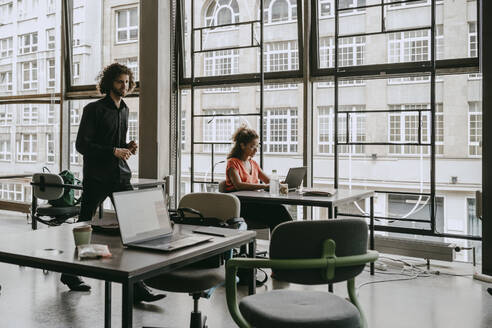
column 110, row 73
column 243, row 135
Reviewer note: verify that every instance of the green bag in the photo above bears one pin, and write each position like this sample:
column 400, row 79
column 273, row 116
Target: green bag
column 68, row 199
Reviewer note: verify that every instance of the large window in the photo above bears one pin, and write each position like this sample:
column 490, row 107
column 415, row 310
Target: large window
column 5, row 152
column 29, row 75
column 6, row 115
column 6, row 47
column 50, row 39
column 127, row 25
column 50, row 148
column 357, row 128
column 6, row 81
column 351, row 51
column 219, row 129
column 281, row 56
column 51, row 73
column 223, row 62
column 389, row 110
column 472, row 39
column 222, row 12
column 28, row 43
column 279, row 10
column 29, row 115
column 280, row 128
column 475, row 129
column 404, row 128
column 27, row 147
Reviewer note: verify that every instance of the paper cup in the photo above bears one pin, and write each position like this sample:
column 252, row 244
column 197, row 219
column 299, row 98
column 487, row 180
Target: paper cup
column 82, row 235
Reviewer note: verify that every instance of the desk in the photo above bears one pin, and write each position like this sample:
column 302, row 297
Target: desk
column 53, row 249
column 292, row 198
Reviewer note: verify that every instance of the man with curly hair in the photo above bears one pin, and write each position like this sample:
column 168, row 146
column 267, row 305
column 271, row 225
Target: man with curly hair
column 101, row 139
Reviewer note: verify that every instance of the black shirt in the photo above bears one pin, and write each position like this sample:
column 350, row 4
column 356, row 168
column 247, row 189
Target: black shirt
column 102, row 128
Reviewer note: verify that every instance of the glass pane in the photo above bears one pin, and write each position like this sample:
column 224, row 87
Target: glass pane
column 280, row 35
column 93, row 50
column 455, row 33
column 29, row 141
column 37, row 39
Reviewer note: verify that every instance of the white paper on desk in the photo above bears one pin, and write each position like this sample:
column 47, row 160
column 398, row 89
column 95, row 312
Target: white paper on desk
column 318, row 192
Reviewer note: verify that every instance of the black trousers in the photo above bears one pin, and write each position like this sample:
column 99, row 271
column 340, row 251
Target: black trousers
column 95, row 192
column 258, row 215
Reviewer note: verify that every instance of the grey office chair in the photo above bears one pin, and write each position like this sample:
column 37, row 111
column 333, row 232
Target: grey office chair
column 309, row 253
column 44, row 186
column 255, row 215
column 199, row 282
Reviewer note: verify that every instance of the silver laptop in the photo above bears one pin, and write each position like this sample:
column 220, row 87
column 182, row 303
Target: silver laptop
column 295, row 176
column 144, row 221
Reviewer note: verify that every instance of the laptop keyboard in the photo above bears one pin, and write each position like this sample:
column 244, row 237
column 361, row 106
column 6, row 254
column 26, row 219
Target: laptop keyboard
column 173, row 244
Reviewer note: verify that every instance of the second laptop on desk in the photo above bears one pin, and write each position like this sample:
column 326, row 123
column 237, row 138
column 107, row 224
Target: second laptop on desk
column 144, row 221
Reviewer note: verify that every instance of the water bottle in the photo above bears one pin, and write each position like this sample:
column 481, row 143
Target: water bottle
column 274, row 183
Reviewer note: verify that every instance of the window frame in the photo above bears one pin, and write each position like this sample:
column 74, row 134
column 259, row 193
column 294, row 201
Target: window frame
column 128, row 28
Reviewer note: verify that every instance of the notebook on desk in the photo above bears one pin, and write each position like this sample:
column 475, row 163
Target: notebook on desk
column 144, row 221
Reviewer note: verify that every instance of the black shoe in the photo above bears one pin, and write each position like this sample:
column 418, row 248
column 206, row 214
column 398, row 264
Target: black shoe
column 142, row 293
column 74, row 283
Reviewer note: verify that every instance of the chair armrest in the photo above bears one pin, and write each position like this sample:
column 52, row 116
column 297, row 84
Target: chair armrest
column 293, row 264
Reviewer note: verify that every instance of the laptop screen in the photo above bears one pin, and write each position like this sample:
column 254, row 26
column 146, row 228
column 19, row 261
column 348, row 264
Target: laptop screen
column 142, row 214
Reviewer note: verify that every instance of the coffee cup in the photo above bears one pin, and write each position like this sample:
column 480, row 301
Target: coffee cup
column 82, row 235
column 284, row 189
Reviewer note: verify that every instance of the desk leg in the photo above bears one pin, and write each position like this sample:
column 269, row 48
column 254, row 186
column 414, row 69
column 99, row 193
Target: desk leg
column 331, row 212
column 127, row 307
column 371, row 230
column 107, row 304
column 252, row 278
column 34, row 205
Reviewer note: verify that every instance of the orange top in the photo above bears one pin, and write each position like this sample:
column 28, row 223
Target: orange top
column 243, row 172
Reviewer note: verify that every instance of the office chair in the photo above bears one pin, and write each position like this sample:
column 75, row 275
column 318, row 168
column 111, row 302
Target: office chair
column 49, row 186
column 309, row 253
column 197, row 281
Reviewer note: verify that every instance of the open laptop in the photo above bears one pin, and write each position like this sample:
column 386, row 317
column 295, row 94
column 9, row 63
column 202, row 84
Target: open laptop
column 144, row 221
column 295, row 176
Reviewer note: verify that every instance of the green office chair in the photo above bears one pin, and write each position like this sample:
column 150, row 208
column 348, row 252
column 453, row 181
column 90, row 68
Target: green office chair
column 309, row 253
column 197, row 281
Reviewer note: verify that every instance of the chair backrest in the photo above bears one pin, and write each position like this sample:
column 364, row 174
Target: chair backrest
column 222, row 186
column 213, row 204
column 47, row 192
column 304, row 239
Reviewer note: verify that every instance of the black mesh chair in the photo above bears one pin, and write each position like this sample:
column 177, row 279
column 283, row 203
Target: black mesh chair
column 49, row 186
column 309, row 253
column 200, row 280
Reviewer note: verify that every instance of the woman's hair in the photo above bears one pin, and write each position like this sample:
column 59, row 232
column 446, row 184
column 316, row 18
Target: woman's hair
column 243, row 135
column 109, row 75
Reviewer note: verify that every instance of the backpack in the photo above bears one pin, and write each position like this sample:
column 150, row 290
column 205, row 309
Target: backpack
column 68, row 199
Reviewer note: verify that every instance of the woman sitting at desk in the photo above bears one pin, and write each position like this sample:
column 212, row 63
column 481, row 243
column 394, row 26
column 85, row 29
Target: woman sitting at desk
column 243, row 173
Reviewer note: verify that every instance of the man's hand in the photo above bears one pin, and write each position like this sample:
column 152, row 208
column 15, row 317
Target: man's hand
column 132, row 147
column 122, row 153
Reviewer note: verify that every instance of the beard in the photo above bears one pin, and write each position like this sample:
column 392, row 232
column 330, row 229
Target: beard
column 119, row 92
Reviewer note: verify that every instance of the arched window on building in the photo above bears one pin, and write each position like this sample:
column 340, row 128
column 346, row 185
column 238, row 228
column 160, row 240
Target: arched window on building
column 279, row 10
column 221, row 12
